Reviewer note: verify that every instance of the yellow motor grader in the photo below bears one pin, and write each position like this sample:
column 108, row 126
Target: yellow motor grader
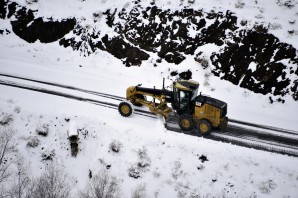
column 182, row 103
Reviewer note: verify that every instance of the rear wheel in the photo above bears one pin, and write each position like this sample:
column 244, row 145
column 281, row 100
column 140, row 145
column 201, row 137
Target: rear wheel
column 137, row 96
column 125, row 109
column 223, row 124
column 204, row 127
column 186, row 122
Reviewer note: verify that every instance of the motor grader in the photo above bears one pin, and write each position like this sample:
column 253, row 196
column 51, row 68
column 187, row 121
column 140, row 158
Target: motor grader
column 182, row 103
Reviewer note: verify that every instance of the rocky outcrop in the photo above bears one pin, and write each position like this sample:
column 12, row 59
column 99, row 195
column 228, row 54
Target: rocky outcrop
column 31, row 29
column 255, row 62
column 250, row 58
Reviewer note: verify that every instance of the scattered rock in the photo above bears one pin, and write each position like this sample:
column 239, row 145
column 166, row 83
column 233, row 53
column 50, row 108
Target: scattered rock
column 203, row 158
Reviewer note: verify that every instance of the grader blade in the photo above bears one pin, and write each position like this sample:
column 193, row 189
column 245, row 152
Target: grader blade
column 172, row 122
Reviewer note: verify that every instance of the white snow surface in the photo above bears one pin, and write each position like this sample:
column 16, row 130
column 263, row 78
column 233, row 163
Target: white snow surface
column 231, row 171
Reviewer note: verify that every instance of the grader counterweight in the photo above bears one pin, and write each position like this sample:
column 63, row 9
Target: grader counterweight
column 181, row 104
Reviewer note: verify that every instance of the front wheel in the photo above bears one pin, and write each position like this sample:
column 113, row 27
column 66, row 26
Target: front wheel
column 186, row 122
column 204, row 127
column 125, row 109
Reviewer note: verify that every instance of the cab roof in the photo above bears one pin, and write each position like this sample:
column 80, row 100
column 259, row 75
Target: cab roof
column 186, row 85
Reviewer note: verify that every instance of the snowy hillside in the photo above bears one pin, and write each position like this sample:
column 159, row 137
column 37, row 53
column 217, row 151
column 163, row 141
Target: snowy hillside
column 241, row 52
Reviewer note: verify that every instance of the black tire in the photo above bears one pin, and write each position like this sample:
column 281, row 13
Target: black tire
column 186, row 122
column 223, row 124
column 204, row 127
column 125, row 109
column 137, row 96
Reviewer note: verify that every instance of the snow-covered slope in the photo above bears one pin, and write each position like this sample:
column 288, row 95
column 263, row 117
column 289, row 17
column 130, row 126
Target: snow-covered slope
column 174, row 161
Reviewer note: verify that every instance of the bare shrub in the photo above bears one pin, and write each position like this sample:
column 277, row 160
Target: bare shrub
column 203, row 60
column 144, row 158
column 31, row 1
column 260, row 28
column 206, row 79
column 43, row 129
column 259, row 16
column 243, row 22
column 102, row 185
column 21, row 180
column 134, row 171
column 142, row 165
column 53, row 182
column 33, row 142
column 115, row 146
column 17, row 109
column 7, row 147
column 274, row 26
column 201, row 167
column 156, row 174
column 48, row 155
column 266, row 186
column 97, row 16
column 139, row 192
column 287, row 3
column 6, row 119
column 239, row 4
column 177, row 170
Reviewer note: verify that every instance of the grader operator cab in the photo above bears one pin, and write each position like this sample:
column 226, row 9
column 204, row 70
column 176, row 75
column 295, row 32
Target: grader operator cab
column 187, row 108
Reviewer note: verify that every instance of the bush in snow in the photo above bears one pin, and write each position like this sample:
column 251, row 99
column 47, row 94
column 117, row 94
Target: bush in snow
column 259, row 16
column 115, row 146
column 33, row 142
column 145, row 160
column 206, row 79
column 53, row 182
column 142, row 165
column 21, row 180
column 43, row 129
column 203, row 60
column 266, row 186
column 177, row 170
column 31, row 1
column 102, row 185
column 260, row 28
column 239, row 4
column 17, row 109
column 7, row 148
column 139, row 192
column 97, row 16
column 48, row 155
column 243, row 22
column 134, row 172
column 287, row 3
column 5, row 119
column 274, row 26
